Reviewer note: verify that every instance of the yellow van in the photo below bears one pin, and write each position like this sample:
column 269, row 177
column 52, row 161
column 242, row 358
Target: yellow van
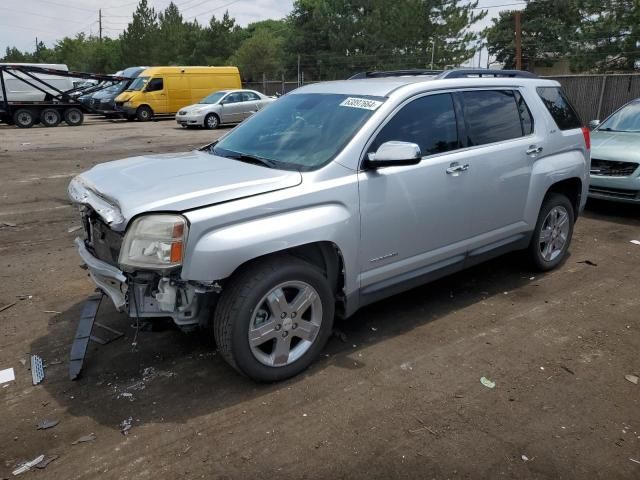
column 165, row 90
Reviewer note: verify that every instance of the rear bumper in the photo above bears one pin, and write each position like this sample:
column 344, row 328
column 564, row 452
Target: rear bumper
column 107, row 277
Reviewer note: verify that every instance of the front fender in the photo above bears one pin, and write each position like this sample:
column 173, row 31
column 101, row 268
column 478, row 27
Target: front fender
column 217, row 253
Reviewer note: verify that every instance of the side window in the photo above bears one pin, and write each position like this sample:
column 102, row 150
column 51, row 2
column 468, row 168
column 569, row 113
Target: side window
column 251, row 96
column 559, row 107
column 491, row 116
column 233, row 98
column 155, row 85
column 429, row 121
column 526, row 119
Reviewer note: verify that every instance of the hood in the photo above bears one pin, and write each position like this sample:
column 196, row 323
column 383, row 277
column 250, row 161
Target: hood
column 126, row 96
column 198, row 106
column 120, row 190
column 619, row 146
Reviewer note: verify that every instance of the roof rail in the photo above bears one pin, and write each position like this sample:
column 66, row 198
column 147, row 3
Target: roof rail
column 484, row 72
column 395, row 73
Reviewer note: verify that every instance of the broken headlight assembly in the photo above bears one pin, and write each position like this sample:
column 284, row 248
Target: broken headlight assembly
column 154, row 242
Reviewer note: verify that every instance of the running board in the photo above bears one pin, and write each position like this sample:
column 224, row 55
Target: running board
column 83, row 335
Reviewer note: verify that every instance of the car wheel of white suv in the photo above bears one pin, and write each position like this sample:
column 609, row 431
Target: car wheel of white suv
column 553, row 232
column 274, row 317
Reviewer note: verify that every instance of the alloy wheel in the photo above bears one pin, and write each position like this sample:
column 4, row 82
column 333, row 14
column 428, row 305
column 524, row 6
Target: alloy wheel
column 554, row 233
column 285, row 323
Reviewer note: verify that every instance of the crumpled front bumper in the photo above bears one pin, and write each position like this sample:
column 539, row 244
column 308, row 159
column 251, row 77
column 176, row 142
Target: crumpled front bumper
column 107, row 277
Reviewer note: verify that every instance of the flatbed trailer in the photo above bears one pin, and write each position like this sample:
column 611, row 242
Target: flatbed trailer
column 57, row 105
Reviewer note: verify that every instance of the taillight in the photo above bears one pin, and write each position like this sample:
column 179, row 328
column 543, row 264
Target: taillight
column 587, row 137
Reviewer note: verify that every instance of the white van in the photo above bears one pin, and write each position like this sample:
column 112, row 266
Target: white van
column 19, row 91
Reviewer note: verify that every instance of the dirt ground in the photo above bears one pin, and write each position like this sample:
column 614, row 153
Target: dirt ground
column 397, row 393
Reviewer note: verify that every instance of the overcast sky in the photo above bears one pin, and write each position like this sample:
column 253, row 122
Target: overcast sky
column 21, row 21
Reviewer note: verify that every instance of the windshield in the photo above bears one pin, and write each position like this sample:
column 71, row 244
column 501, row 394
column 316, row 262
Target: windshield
column 300, row 131
column 627, row 119
column 138, row 84
column 213, row 98
column 118, row 87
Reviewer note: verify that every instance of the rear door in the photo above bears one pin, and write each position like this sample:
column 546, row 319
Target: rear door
column 251, row 103
column 500, row 149
column 232, row 108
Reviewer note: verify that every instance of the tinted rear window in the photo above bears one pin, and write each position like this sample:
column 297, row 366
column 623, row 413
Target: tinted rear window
column 491, row 116
column 559, row 107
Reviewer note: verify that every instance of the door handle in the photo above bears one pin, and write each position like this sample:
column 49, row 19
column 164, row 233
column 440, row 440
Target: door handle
column 533, row 150
column 456, row 168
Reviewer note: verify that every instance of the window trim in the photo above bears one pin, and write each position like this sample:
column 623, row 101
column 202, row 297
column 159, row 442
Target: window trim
column 400, row 106
column 460, row 121
column 151, row 80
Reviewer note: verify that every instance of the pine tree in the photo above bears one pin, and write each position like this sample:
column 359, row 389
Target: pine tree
column 140, row 37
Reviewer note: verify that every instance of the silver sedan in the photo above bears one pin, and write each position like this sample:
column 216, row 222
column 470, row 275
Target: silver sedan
column 225, row 106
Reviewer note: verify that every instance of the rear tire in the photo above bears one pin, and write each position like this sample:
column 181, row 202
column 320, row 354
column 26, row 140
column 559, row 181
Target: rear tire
column 552, row 235
column 73, row 117
column 144, row 113
column 24, row 118
column 50, row 117
column 287, row 307
column 211, row 121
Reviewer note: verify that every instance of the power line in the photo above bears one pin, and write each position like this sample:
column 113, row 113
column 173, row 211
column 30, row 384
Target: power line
column 213, row 9
column 44, row 16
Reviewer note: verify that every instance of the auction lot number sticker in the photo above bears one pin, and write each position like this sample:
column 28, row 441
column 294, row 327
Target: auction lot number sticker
column 365, row 103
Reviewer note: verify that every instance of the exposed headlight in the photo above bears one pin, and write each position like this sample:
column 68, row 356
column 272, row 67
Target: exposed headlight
column 154, row 242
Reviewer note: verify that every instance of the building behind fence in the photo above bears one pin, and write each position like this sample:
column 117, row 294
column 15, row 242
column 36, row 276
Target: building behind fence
column 594, row 96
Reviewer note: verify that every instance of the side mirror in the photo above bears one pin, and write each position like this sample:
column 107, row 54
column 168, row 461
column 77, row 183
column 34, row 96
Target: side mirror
column 593, row 124
column 392, row 154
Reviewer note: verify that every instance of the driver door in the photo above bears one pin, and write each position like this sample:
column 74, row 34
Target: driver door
column 414, row 218
column 156, row 95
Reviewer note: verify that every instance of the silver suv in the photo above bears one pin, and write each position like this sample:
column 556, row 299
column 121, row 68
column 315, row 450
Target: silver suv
column 335, row 196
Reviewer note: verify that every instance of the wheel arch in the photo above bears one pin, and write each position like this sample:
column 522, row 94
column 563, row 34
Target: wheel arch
column 572, row 189
column 326, row 256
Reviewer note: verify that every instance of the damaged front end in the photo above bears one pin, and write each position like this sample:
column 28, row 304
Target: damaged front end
column 139, row 269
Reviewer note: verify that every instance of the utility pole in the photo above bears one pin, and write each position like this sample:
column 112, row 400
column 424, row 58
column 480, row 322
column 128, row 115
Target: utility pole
column 433, row 51
column 518, row 15
column 298, row 70
column 100, row 22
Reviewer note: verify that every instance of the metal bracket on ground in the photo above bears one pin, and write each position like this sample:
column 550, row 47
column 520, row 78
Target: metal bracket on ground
column 83, row 335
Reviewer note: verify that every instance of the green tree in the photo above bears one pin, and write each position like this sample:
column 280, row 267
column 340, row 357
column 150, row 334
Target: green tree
column 337, row 37
column 139, row 39
column 221, row 39
column 170, row 43
column 549, row 32
column 259, row 54
column 609, row 35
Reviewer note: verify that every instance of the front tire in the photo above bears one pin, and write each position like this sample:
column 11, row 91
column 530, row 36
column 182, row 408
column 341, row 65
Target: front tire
column 211, row 121
column 144, row 113
column 552, row 235
column 273, row 318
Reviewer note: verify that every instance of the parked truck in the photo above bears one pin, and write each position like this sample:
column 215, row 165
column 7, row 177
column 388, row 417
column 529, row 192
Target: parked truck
column 31, row 94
